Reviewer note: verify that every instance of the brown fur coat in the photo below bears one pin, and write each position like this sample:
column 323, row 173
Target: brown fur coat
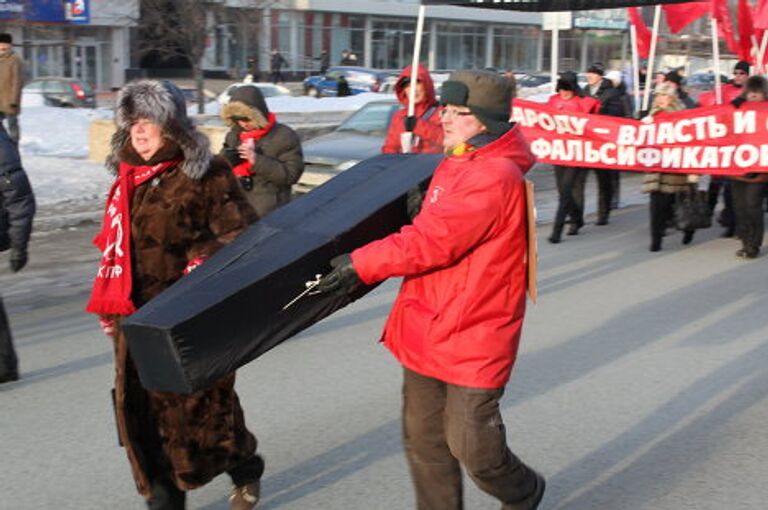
column 175, row 218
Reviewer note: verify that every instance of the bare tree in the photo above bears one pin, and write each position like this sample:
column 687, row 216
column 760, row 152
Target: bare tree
column 181, row 29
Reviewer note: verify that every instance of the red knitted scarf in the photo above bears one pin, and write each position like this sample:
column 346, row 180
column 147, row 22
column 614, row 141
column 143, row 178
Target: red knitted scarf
column 244, row 169
column 111, row 293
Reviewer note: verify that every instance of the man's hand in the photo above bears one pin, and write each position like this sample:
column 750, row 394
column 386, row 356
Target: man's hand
column 18, row 259
column 409, row 123
column 341, row 278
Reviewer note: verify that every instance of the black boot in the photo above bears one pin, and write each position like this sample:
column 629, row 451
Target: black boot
column 656, row 244
column 166, row 496
column 688, row 237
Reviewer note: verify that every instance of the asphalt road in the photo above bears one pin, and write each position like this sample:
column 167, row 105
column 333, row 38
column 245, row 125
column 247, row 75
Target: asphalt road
column 641, row 384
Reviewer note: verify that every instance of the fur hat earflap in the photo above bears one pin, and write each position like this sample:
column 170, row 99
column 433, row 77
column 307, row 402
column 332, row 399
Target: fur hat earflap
column 164, row 104
column 246, row 103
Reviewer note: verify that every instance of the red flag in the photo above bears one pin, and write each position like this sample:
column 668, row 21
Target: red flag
column 680, row 15
column 721, row 13
column 746, row 33
column 642, row 31
column 761, row 14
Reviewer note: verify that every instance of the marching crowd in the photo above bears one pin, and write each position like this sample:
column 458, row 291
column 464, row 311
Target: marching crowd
column 744, row 197
column 455, row 331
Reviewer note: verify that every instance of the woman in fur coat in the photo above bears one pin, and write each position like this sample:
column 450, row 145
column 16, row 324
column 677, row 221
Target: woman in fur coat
column 172, row 205
column 664, row 186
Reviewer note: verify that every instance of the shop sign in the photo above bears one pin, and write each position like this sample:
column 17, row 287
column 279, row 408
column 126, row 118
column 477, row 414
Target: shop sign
column 46, row 11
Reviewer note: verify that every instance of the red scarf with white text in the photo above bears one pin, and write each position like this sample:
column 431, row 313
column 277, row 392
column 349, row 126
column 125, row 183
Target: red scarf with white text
column 244, row 169
column 111, row 293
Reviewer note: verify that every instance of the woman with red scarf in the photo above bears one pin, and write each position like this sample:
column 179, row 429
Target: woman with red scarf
column 171, row 206
column 265, row 155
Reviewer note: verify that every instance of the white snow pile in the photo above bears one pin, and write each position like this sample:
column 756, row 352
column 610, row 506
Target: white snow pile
column 306, row 104
column 62, row 132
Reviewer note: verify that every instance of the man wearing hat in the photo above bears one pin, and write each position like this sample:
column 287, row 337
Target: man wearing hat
column 675, row 80
column 730, row 90
column 456, row 324
column 611, row 104
column 11, row 81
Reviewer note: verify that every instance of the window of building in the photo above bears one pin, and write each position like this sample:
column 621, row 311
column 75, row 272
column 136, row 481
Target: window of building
column 516, row 48
column 392, row 43
column 460, row 46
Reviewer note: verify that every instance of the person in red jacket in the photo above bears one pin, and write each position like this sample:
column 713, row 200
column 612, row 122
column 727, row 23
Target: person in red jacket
column 456, row 324
column 425, row 124
column 731, row 90
column 570, row 180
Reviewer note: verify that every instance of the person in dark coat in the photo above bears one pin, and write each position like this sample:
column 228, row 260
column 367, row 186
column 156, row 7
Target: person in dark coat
column 276, row 63
column 570, row 179
column 747, row 191
column 265, row 155
column 611, row 104
column 457, row 321
column 342, row 87
column 676, row 80
column 325, row 61
column 17, row 208
column 172, row 205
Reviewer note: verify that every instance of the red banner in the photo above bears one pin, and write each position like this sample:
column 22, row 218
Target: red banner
column 721, row 140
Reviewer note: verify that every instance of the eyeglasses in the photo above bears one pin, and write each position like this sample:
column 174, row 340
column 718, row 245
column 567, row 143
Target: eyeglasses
column 445, row 113
column 739, row 72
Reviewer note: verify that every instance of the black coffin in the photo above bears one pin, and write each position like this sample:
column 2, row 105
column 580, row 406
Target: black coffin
column 229, row 310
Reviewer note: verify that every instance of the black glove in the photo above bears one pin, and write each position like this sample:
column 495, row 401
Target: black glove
column 409, row 123
column 18, row 259
column 413, row 201
column 739, row 101
column 246, row 182
column 342, row 277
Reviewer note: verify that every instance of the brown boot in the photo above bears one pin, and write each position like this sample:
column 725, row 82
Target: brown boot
column 245, row 497
column 532, row 501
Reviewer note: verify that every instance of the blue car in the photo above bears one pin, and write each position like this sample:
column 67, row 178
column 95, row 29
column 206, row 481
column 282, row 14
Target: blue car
column 360, row 79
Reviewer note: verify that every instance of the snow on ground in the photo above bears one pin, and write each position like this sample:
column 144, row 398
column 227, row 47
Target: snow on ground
column 54, row 144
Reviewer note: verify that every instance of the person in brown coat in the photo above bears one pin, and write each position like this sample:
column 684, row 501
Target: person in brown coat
column 265, row 155
column 11, row 81
column 172, row 205
column 663, row 187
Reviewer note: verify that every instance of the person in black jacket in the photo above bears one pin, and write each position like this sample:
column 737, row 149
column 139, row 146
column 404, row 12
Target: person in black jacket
column 17, row 208
column 276, row 63
column 611, row 104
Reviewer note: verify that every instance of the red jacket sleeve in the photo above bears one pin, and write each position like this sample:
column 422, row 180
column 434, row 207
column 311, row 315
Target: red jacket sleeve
column 441, row 234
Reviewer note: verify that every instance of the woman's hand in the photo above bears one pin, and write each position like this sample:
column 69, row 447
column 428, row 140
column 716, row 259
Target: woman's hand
column 107, row 325
column 247, row 152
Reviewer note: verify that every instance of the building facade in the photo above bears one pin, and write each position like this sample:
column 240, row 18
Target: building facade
column 87, row 39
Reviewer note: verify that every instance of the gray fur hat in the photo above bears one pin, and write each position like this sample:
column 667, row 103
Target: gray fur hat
column 164, row 104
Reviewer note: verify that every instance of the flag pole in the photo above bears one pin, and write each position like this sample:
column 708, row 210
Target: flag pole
column 635, row 67
column 651, row 57
column 716, row 64
column 761, row 53
column 406, row 139
column 555, row 54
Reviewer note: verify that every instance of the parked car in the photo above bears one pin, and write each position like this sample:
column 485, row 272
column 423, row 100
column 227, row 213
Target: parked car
column 58, row 91
column 267, row 89
column 359, row 137
column 360, row 79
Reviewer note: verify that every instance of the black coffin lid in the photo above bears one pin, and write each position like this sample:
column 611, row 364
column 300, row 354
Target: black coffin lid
column 228, row 311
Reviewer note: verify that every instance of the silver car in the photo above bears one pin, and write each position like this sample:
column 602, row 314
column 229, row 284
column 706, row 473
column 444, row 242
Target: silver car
column 359, row 137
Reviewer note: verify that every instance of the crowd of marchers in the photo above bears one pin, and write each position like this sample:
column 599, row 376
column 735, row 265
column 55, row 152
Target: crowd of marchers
column 745, row 200
column 456, row 332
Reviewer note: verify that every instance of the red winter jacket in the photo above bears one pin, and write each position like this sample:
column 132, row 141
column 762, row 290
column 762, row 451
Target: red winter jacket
column 428, row 127
column 730, row 92
column 460, row 309
column 575, row 104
